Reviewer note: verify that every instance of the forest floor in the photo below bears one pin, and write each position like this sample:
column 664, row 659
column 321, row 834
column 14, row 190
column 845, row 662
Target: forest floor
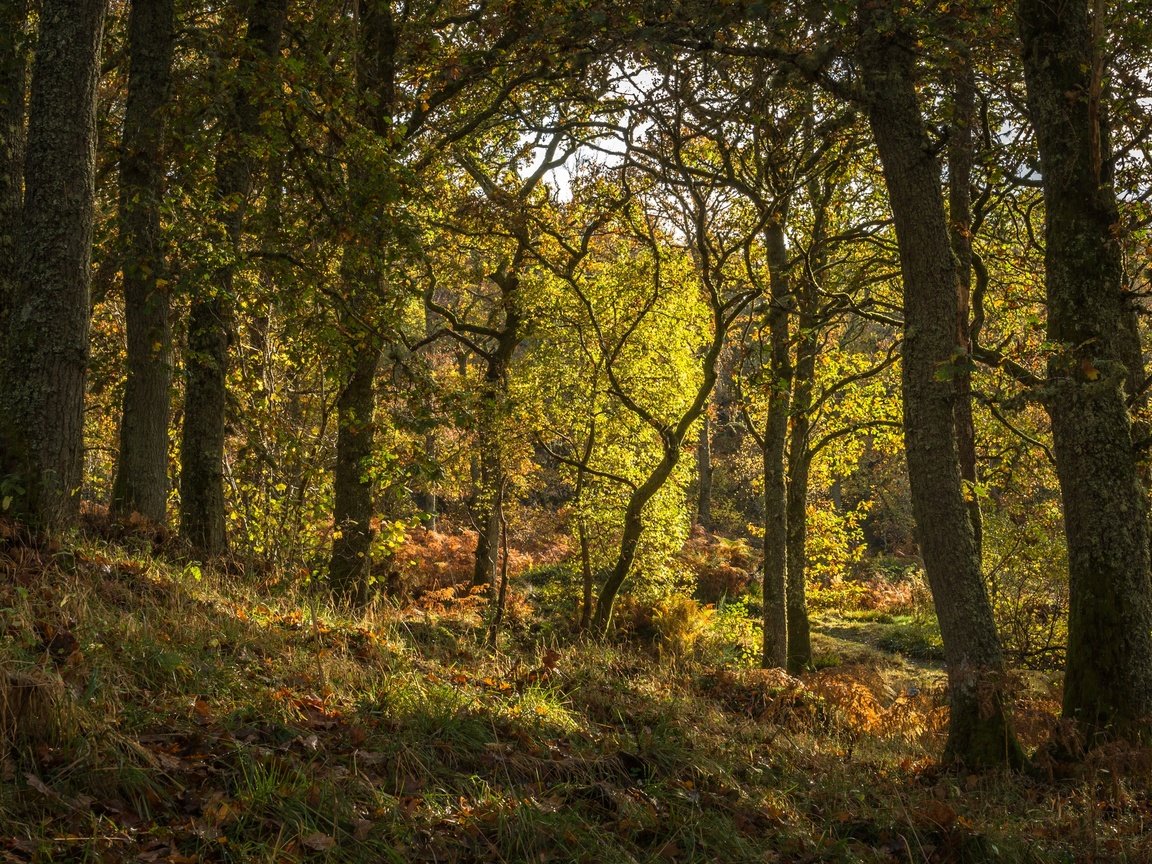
column 153, row 713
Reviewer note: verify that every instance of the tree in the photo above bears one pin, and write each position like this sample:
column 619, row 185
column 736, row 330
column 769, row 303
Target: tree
column 961, row 155
column 202, row 521
column 13, row 84
column 661, row 162
column 1108, row 676
column 979, row 732
column 41, row 431
column 141, row 484
column 363, row 284
column 495, row 340
column 642, row 354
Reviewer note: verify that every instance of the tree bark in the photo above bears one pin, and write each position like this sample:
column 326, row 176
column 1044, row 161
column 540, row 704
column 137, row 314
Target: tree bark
column 350, row 568
column 1108, row 677
column 979, row 734
column 351, row 562
column 47, row 344
column 799, row 463
column 774, row 571
column 961, row 155
column 13, row 85
column 704, row 473
column 202, row 522
column 141, row 483
column 485, row 511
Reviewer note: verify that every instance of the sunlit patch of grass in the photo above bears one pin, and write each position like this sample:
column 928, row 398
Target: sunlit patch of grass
column 915, row 637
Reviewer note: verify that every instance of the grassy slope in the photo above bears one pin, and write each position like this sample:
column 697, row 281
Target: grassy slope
column 152, row 716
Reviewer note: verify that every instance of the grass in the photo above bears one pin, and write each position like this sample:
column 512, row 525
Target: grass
column 154, row 716
column 914, row 637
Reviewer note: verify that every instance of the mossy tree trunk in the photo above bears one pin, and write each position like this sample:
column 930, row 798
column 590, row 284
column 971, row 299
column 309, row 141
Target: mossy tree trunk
column 1108, row 677
column 775, row 567
column 799, row 463
column 141, row 483
column 13, row 87
column 961, row 156
column 47, row 340
column 350, row 566
column 979, row 733
column 489, row 447
column 210, row 323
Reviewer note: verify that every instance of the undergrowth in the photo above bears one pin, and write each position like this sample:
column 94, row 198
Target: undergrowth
column 152, row 712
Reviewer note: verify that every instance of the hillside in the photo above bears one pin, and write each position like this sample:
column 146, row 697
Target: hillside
column 157, row 713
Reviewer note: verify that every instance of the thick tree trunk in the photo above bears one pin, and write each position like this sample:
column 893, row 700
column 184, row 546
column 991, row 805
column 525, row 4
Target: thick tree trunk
column 961, row 155
column 13, row 86
column 141, row 484
column 1108, row 678
column 210, row 316
column 47, row 341
column 775, row 568
column 979, row 733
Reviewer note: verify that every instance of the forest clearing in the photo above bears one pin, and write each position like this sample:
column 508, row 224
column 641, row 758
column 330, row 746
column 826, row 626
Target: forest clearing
column 575, row 430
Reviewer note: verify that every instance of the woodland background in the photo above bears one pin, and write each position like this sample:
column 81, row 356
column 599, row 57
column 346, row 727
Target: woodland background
column 562, row 431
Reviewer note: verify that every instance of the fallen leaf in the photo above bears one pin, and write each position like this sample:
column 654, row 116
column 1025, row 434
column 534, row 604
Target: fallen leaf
column 318, row 842
column 40, row 786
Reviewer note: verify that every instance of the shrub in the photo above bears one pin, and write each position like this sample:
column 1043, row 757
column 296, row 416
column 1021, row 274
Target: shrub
column 838, row 596
column 720, row 567
column 735, row 635
column 431, row 560
column 680, row 622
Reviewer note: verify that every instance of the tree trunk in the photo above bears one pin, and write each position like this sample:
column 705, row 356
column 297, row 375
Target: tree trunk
column 672, row 440
column 979, row 733
column 1108, row 677
column 585, row 575
column 961, row 155
column 47, row 344
column 210, row 316
column 484, row 509
column 13, row 84
column 799, row 462
column 141, row 484
column 351, row 563
column 704, row 473
column 775, row 648
column 491, row 477
column 492, row 398
column 630, row 536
